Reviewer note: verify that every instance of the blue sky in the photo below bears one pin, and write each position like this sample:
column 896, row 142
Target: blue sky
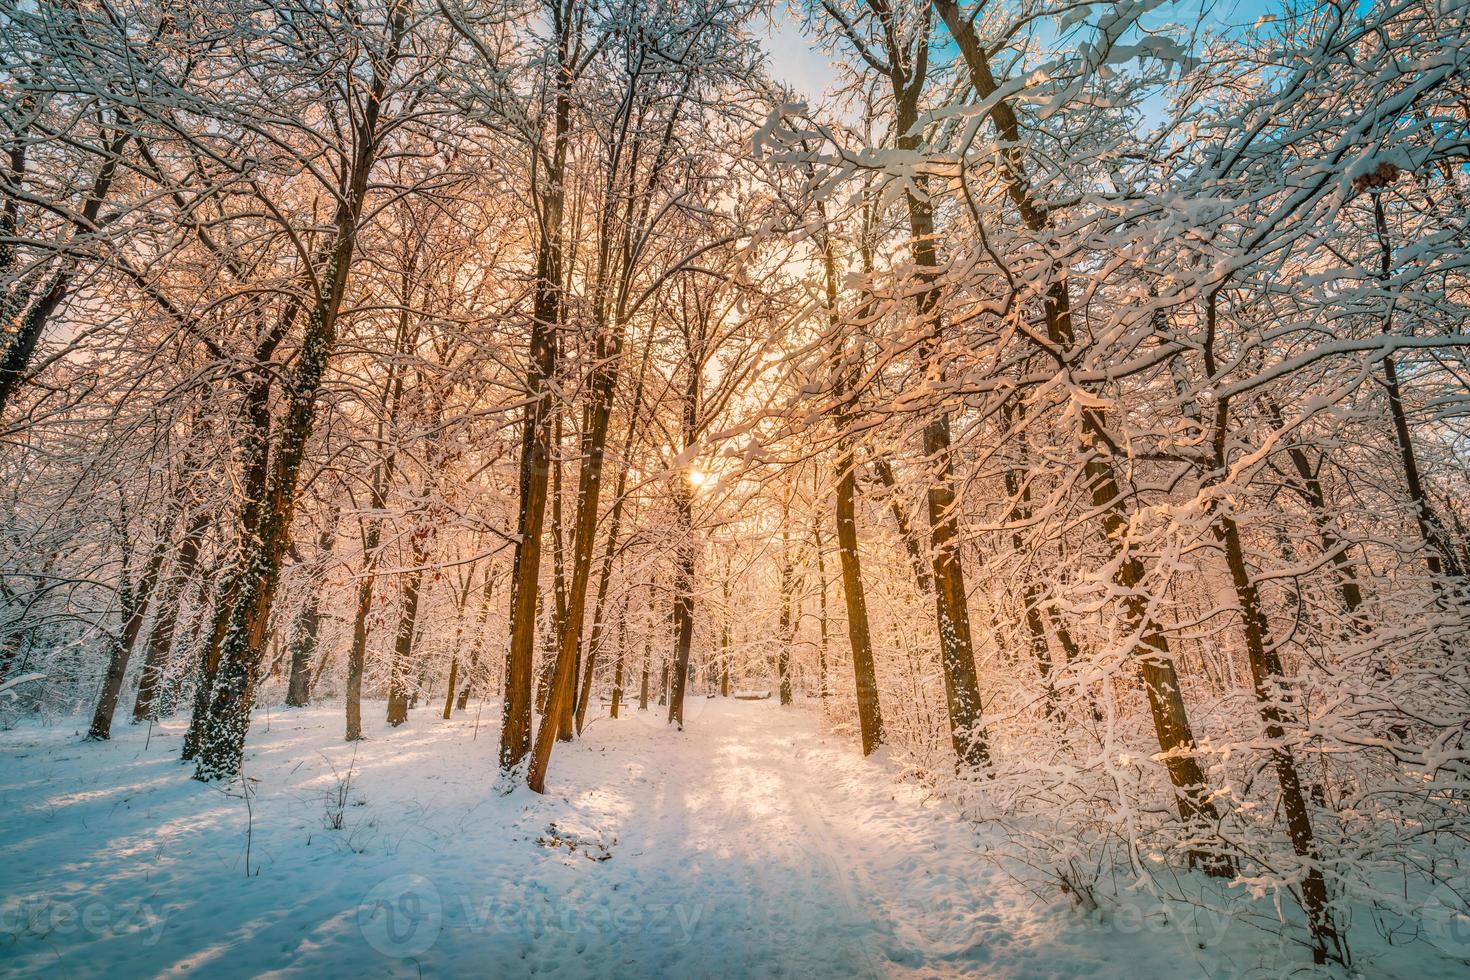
column 797, row 60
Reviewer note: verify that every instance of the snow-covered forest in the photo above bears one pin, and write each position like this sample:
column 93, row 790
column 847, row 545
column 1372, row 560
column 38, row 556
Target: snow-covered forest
column 960, row 476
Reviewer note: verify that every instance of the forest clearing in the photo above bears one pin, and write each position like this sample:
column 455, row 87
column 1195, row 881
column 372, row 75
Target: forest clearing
column 735, row 487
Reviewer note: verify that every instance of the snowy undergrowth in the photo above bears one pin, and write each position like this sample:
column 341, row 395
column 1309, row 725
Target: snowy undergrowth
column 1093, row 827
column 751, row 844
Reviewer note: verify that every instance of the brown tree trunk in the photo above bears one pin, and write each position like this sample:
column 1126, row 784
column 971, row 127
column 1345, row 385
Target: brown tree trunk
column 1155, row 663
column 222, row 746
column 357, row 654
column 478, row 643
column 559, row 590
column 617, row 693
column 1439, row 555
column 161, row 637
column 136, row 598
column 20, row 347
column 308, row 625
column 683, row 612
column 865, row 676
column 255, row 445
column 1268, row 678
column 1020, row 494
column 957, row 652
column 643, row 682
column 683, row 603
column 535, row 463
column 817, row 544
column 403, row 642
column 725, row 652
column 785, row 632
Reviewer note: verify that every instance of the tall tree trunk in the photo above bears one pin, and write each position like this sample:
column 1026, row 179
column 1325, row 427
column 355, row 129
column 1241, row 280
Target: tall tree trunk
column 357, row 654
column 683, row 602
column 535, row 463
column 20, row 346
column 907, row 75
column 136, row 598
column 725, row 652
column 479, row 641
column 372, row 539
column 817, row 544
column 683, row 612
column 870, row 713
column 161, row 636
column 461, row 599
column 255, row 446
column 785, row 632
column 222, row 746
column 1151, row 652
column 308, row 625
column 957, row 652
column 617, row 693
column 1031, row 593
column 1439, row 555
column 559, row 590
column 1268, row 678
column 403, row 642
column 607, row 352
column 643, row 682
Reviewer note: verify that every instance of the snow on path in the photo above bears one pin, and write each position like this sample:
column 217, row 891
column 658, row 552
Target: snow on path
column 749, row 845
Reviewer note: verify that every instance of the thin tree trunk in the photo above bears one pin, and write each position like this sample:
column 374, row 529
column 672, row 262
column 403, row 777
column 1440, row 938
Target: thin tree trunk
column 307, row 627
column 1020, row 493
column 161, row 637
column 589, row 491
column 479, row 641
column 725, row 635
column 535, row 463
column 683, row 602
column 1152, row 654
column 135, row 603
column 683, row 612
column 403, row 642
column 1268, row 677
column 643, row 682
column 617, row 693
column 870, row 713
column 822, row 690
column 1439, row 555
column 20, row 348
column 785, row 632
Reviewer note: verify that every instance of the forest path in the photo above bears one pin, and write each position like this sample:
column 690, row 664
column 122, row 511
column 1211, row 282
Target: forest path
column 751, row 844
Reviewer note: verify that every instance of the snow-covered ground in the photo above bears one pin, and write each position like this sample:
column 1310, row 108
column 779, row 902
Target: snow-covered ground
column 750, row 844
